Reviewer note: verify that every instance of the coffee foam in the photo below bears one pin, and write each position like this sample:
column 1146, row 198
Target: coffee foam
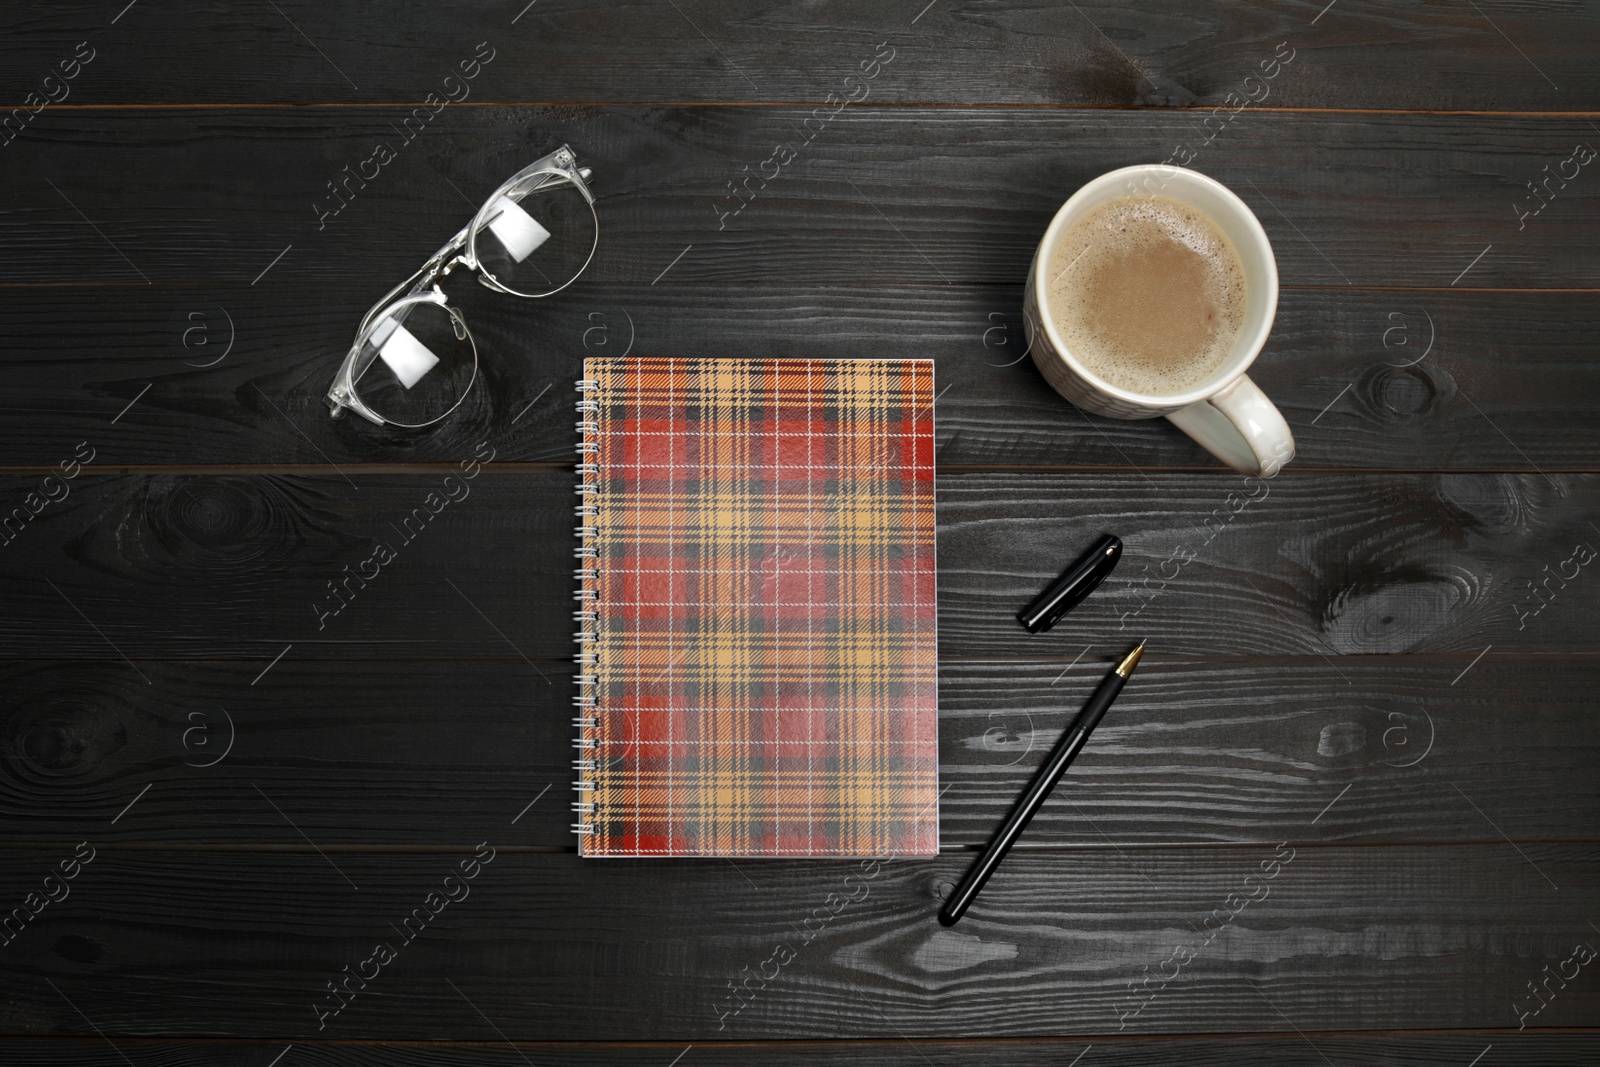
column 1147, row 293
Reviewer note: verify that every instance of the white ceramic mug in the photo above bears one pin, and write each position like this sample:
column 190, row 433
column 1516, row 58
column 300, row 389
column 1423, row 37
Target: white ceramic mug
column 1227, row 413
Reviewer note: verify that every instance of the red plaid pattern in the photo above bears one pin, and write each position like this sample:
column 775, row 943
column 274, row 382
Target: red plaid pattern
column 760, row 644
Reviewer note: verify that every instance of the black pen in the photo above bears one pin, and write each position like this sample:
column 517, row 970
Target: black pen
column 1033, row 797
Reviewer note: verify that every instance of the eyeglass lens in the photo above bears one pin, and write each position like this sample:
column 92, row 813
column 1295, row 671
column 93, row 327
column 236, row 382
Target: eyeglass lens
column 416, row 365
column 534, row 242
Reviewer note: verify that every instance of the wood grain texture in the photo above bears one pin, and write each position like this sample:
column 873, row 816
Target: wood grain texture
column 1529, row 1048
column 928, row 196
column 186, row 944
column 270, row 561
column 236, row 375
column 1146, row 53
column 1383, row 660
column 370, row 755
column 237, row 567
column 1320, row 565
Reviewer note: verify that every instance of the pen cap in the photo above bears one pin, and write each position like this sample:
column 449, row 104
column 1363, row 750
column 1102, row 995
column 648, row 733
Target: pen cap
column 1077, row 582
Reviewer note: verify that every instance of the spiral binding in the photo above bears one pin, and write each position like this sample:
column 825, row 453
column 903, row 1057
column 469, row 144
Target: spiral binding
column 586, row 616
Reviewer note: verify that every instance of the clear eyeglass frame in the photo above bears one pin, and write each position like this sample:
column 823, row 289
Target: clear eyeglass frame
column 422, row 288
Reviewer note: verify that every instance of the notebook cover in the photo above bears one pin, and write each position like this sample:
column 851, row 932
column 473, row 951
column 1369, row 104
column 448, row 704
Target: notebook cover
column 758, row 642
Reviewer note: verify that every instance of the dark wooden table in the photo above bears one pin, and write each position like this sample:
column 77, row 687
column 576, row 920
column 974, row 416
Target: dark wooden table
column 1374, row 683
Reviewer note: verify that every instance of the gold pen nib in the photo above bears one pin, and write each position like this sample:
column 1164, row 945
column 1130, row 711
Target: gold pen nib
column 1130, row 661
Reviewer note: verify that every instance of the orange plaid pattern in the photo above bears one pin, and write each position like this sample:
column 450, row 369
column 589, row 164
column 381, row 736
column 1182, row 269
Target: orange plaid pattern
column 759, row 651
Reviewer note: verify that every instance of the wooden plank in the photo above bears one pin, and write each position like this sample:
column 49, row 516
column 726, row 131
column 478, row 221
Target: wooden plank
column 1355, row 1050
column 1320, row 565
column 238, row 567
column 238, row 944
column 1237, row 752
column 1152, row 52
column 879, row 195
column 375, row 755
column 236, row 375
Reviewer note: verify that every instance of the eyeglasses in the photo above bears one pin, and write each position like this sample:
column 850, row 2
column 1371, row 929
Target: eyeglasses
column 414, row 360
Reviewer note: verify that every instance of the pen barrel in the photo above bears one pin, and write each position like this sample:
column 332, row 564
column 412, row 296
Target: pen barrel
column 1061, row 756
column 1055, row 765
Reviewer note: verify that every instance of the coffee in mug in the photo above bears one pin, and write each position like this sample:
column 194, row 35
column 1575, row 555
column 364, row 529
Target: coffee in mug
column 1151, row 293
column 1147, row 293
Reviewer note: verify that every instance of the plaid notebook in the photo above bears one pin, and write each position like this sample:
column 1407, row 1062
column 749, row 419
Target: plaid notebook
column 758, row 645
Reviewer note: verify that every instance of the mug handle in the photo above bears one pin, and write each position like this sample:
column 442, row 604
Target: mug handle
column 1241, row 427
